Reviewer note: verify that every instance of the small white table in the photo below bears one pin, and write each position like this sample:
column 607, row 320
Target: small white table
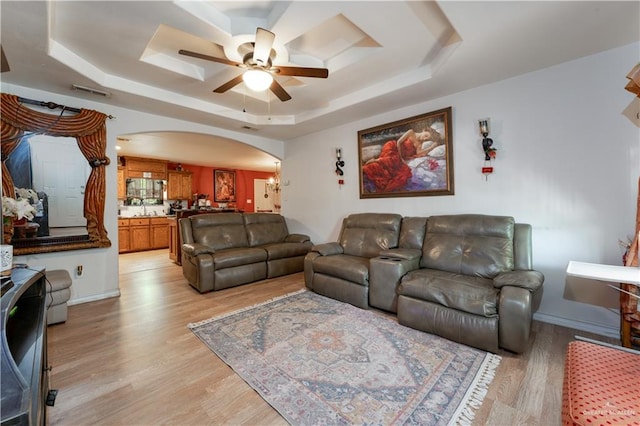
column 612, row 273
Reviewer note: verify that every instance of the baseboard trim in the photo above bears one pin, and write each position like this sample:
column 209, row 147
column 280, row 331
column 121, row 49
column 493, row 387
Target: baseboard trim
column 588, row 327
column 103, row 296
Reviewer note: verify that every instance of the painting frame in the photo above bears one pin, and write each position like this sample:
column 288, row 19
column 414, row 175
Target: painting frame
column 412, row 157
column 224, row 186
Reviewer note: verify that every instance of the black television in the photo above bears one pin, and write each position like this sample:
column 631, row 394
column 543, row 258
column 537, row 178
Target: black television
column 23, row 349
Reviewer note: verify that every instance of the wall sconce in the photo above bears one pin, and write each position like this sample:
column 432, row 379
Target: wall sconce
column 487, row 145
column 487, row 142
column 340, row 162
column 339, row 165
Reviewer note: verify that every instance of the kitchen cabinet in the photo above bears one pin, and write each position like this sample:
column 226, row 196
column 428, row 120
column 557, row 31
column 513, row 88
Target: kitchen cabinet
column 178, row 185
column 159, row 232
column 142, row 233
column 123, row 236
column 139, row 236
column 174, row 240
column 146, row 168
column 122, row 185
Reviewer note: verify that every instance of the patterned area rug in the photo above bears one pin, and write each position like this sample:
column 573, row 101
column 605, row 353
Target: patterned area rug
column 320, row 361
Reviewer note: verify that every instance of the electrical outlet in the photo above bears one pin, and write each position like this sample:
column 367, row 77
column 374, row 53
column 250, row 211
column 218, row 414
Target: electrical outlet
column 79, row 270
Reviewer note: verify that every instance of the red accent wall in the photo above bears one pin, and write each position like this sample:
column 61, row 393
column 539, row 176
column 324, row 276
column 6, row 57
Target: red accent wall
column 202, row 183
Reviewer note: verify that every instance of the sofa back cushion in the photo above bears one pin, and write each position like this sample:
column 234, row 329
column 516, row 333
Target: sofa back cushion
column 366, row 234
column 265, row 228
column 412, row 232
column 219, row 230
column 469, row 244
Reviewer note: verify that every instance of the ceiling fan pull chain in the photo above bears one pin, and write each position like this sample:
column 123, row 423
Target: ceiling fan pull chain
column 244, row 99
column 269, row 105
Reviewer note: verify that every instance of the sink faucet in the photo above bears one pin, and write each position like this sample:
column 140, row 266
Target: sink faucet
column 144, row 210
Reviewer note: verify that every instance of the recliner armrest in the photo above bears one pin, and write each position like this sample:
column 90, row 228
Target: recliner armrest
column 195, row 249
column 402, row 253
column 530, row 280
column 328, row 249
column 296, row 238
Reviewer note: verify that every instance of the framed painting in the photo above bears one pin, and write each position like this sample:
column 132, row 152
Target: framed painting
column 407, row 158
column 224, row 186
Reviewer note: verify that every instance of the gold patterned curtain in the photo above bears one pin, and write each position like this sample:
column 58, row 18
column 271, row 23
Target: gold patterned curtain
column 89, row 129
column 93, row 148
column 10, row 139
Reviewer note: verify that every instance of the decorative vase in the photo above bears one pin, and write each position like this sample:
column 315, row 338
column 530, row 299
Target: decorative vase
column 7, row 229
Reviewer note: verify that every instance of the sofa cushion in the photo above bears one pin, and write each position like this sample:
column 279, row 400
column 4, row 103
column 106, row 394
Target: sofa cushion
column 469, row 244
column 350, row 268
column 238, row 256
column 475, row 295
column 219, row 230
column 282, row 250
column 366, row 234
column 265, row 228
column 412, row 232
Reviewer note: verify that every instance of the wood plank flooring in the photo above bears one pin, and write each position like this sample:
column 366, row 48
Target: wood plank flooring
column 132, row 360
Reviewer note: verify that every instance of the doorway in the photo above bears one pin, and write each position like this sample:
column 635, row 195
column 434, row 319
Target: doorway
column 266, row 200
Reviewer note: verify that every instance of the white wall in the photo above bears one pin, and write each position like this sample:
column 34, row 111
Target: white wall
column 568, row 163
column 100, row 276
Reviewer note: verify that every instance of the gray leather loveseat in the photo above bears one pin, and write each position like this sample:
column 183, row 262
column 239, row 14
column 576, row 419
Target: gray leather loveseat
column 222, row 250
column 468, row 278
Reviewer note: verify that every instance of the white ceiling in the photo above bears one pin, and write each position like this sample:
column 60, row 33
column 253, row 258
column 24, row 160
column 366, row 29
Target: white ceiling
column 380, row 55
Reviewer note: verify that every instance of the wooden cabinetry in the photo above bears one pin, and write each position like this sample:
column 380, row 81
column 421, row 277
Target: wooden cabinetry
column 178, row 185
column 123, row 236
column 146, row 168
column 143, row 233
column 122, row 185
column 159, row 232
column 173, row 240
column 139, row 236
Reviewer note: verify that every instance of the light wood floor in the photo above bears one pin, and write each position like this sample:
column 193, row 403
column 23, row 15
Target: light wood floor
column 132, row 360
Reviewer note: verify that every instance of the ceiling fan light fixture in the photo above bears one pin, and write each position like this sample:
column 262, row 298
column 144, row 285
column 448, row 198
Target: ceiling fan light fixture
column 257, row 80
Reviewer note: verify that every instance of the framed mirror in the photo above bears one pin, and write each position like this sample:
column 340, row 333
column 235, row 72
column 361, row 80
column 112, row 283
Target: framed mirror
column 20, row 123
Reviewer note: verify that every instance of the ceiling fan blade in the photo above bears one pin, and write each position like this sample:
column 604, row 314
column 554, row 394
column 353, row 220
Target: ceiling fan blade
column 229, row 84
column 301, row 71
column 209, row 58
column 279, row 91
column 263, row 44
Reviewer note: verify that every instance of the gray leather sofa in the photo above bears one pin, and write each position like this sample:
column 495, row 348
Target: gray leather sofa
column 468, row 278
column 222, row 250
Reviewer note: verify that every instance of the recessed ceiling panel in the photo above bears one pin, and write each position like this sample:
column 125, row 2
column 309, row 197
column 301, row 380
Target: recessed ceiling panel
column 162, row 51
column 331, row 38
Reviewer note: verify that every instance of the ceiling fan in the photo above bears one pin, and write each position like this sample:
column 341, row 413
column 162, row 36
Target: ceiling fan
column 257, row 62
